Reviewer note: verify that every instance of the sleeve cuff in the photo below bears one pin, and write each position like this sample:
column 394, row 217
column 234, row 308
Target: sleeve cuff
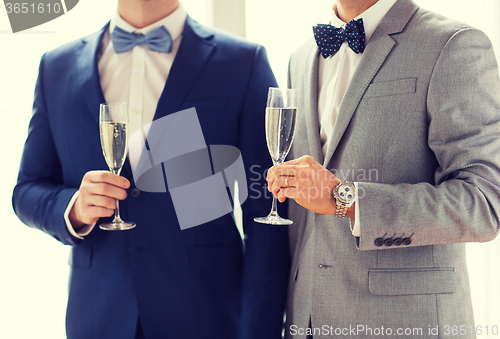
column 84, row 230
column 355, row 224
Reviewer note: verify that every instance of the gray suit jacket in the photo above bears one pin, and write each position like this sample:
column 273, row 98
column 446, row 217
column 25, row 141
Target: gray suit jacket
column 418, row 128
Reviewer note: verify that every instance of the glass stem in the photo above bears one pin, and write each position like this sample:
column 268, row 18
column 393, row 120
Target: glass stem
column 117, row 210
column 117, row 205
column 274, row 208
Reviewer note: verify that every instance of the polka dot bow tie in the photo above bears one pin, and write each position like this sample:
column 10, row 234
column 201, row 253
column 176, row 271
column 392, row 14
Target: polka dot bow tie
column 158, row 40
column 330, row 38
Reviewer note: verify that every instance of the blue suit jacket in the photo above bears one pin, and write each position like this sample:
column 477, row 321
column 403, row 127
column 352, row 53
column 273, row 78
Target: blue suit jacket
column 182, row 284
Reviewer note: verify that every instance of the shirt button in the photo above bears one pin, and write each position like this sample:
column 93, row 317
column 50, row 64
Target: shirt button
column 135, row 193
column 136, row 111
column 138, row 64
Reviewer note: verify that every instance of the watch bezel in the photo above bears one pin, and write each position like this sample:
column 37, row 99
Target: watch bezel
column 345, row 200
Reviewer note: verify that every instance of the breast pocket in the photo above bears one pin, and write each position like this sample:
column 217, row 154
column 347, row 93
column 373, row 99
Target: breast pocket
column 391, row 88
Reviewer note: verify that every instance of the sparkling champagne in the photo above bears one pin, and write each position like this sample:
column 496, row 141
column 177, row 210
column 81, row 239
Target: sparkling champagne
column 280, row 129
column 114, row 144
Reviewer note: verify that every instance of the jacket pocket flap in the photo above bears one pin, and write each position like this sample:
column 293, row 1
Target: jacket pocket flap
column 394, row 87
column 412, row 281
column 215, row 257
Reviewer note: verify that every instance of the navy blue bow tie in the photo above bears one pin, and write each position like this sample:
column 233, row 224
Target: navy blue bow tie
column 158, row 40
column 330, row 38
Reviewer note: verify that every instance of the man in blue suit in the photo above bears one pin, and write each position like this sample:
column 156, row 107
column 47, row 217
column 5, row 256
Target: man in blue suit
column 156, row 280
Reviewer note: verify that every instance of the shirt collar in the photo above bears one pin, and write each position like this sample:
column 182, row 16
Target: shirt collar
column 174, row 23
column 371, row 17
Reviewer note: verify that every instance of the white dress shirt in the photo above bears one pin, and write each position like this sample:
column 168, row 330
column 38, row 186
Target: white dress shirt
column 335, row 74
column 136, row 77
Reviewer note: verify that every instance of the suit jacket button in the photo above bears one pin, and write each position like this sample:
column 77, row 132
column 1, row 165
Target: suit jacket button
column 406, row 241
column 398, row 241
column 135, row 193
column 379, row 242
column 388, row 242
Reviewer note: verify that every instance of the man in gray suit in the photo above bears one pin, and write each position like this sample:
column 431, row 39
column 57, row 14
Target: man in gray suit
column 405, row 113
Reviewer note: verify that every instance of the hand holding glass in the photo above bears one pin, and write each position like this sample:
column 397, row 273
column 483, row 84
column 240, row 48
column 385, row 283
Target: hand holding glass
column 113, row 123
column 281, row 116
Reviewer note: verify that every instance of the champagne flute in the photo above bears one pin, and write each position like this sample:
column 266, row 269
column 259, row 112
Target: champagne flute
column 113, row 121
column 281, row 116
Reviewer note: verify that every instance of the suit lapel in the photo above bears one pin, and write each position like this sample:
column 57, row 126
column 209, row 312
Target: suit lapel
column 311, row 103
column 88, row 72
column 193, row 54
column 378, row 48
column 375, row 53
column 90, row 82
column 309, row 88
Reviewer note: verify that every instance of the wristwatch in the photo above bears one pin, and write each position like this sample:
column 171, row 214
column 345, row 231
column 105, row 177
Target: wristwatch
column 345, row 195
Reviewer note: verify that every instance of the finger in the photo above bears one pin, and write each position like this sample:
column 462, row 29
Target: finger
column 295, row 193
column 281, row 196
column 300, row 163
column 281, row 183
column 83, row 213
column 100, row 212
column 292, row 171
column 275, row 189
column 272, row 172
column 303, row 160
column 283, row 169
column 100, row 201
column 289, row 192
column 285, row 193
column 106, row 190
column 107, row 177
column 288, row 181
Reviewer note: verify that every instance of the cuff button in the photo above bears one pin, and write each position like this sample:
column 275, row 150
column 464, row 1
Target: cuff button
column 406, row 241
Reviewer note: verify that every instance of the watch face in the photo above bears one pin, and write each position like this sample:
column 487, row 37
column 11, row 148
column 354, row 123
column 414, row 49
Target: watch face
column 345, row 192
